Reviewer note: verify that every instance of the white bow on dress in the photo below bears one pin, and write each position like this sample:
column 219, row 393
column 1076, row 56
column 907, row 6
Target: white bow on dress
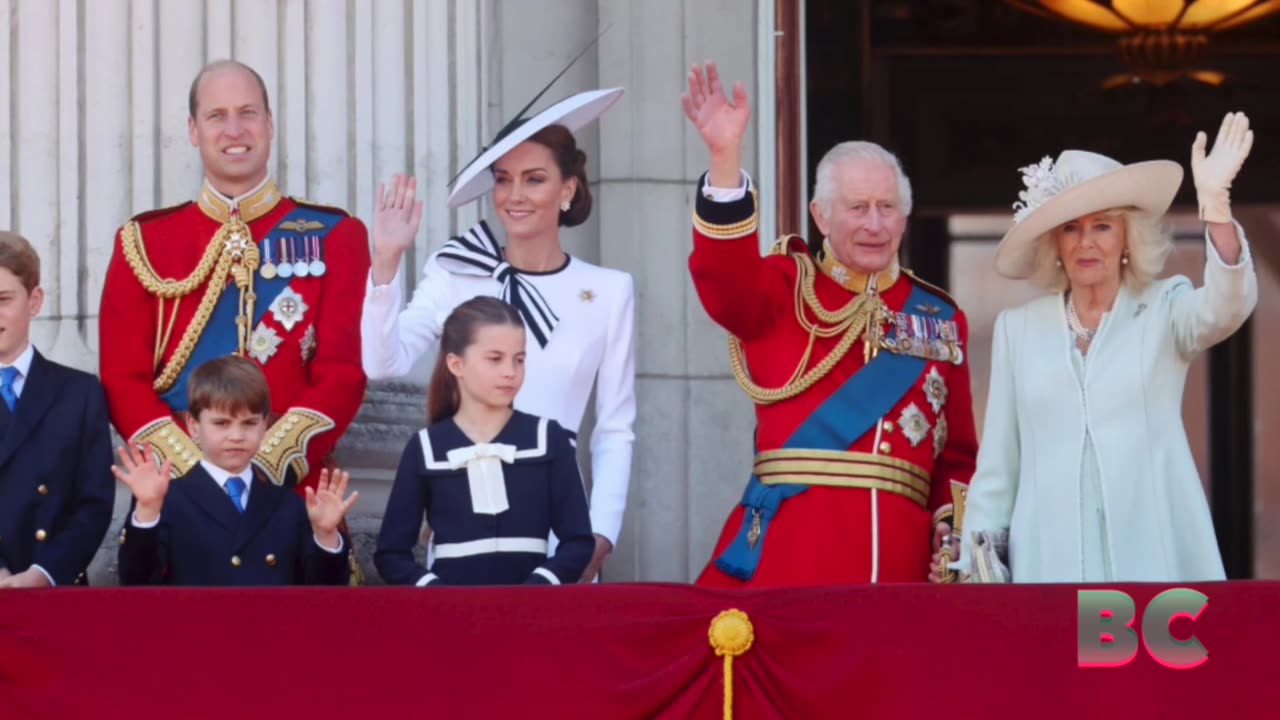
column 484, row 474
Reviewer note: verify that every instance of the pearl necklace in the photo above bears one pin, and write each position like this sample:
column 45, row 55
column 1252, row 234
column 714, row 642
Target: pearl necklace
column 1073, row 322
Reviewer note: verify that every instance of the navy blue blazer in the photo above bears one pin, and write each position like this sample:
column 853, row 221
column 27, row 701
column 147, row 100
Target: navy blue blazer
column 56, row 487
column 203, row 540
column 544, row 493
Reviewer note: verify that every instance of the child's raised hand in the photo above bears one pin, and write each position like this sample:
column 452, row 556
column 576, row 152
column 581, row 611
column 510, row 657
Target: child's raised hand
column 147, row 481
column 325, row 506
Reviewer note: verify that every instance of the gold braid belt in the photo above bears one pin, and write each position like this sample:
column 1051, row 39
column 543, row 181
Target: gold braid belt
column 862, row 317
column 231, row 251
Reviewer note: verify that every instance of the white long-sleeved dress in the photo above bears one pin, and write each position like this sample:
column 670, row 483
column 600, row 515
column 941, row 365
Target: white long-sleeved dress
column 592, row 344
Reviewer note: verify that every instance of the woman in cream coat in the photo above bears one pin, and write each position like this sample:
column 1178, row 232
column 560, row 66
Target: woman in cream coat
column 1084, row 468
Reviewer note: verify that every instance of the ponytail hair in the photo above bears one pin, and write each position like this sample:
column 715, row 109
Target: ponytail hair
column 572, row 163
column 443, row 395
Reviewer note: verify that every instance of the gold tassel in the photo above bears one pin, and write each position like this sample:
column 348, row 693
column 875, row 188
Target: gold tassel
column 731, row 635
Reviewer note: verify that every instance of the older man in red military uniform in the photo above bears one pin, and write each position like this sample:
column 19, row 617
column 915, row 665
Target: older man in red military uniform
column 857, row 368
column 245, row 270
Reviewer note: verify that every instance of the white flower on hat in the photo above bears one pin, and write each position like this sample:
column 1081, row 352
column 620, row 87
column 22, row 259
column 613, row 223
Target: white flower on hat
column 1043, row 182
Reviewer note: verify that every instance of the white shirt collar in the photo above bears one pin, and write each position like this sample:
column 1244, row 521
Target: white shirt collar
column 221, row 476
column 235, row 202
column 23, row 363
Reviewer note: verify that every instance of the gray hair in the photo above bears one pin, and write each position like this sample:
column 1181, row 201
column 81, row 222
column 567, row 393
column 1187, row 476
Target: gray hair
column 824, row 186
column 1147, row 240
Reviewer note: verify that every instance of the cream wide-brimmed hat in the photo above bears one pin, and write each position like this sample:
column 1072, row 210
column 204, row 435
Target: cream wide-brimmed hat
column 1077, row 184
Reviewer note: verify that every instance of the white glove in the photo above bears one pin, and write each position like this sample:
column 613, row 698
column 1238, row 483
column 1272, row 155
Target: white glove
column 1213, row 174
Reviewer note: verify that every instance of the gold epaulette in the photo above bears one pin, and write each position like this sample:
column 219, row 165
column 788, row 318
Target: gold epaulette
column 285, row 445
column 930, row 286
column 169, row 443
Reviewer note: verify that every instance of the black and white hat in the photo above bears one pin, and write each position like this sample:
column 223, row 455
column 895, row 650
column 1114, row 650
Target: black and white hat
column 572, row 112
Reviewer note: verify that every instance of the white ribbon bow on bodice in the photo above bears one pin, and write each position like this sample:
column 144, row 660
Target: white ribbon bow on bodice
column 483, row 462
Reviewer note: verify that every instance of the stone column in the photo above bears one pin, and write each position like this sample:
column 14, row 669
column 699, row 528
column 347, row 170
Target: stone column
column 694, row 426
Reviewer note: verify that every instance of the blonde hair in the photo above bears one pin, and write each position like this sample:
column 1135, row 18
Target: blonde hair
column 1148, row 243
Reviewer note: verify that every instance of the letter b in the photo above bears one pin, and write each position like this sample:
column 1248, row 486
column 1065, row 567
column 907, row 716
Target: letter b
column 1106, row 634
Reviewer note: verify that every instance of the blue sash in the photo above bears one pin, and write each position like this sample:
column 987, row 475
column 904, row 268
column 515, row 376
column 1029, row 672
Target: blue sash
column 839, row 421
column 219, row 336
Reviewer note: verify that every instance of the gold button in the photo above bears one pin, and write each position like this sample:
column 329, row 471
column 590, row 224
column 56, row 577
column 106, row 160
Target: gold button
column 235, row 560
column 122, row 536
column 271, row 560
column 41, row 535
column 885, row 447
column 887, row 426
column 43, row 489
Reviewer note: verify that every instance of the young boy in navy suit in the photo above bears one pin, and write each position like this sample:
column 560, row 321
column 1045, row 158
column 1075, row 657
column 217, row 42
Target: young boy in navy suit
column 222, row 523
column 55, row 444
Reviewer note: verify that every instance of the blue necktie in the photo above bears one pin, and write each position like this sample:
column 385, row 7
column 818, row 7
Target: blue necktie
column 7, row 376
column 235, row 488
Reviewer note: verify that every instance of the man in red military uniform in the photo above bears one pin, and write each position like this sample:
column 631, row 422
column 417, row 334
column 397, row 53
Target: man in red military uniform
column 857, row 368
column 244, row 270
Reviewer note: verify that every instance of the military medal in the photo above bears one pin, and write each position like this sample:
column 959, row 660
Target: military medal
column 924, row 337
column 317, row 265
column 300, row 268
column 268, row 269
column 286, row 258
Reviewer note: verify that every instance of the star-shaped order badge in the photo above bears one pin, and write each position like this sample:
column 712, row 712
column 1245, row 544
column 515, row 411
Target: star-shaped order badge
column 288, row 308
column 264, row 342
column 935, row 388
column 914, row 424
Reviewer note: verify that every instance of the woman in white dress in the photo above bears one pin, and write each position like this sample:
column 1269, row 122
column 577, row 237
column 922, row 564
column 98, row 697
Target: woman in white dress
column 580, row 316
column 1084, row 471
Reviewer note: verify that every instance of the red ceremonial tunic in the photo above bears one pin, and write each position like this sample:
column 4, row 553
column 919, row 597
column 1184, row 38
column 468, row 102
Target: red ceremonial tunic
column 831, row 535
column 308, row 348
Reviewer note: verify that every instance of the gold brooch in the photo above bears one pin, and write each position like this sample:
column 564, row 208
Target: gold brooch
column 587, row 296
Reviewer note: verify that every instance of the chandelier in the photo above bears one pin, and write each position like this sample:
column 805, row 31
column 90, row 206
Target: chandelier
column 1162, row 41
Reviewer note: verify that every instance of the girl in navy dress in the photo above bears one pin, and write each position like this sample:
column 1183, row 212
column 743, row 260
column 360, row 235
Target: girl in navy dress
column 492, row 482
